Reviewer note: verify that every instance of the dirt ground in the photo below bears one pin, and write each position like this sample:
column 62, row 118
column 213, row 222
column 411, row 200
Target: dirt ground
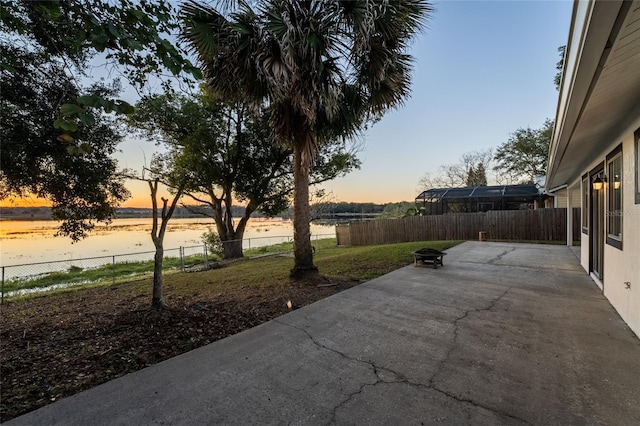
column 54, row 346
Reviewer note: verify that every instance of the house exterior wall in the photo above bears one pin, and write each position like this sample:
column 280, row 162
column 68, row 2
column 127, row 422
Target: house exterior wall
column 584, row 252
column 621, row 266
column 575, row 196
column 597, row 116
column 584, row 237
column 624, row 265
column 560, row 199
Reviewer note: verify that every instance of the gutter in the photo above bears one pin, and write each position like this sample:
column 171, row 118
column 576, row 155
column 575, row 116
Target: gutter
column 557, row 188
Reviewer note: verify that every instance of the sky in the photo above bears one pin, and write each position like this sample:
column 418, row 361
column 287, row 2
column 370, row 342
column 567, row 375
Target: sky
column 483, row 69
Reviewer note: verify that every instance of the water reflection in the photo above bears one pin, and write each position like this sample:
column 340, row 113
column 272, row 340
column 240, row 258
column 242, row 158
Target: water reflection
column 25, row 242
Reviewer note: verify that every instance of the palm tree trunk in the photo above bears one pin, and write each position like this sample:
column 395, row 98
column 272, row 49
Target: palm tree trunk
column 302, row 250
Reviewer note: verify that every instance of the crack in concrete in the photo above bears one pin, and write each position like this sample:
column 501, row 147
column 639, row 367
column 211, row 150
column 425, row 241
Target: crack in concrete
column 400, row 378
column 500, row 256
column 476, row 404
column 463, row 400
column 526, row 267
column 453, row 347
column 370, row 364
column 456, row 330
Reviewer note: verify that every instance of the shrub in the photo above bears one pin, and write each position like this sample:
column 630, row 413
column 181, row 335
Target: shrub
column 212, row 240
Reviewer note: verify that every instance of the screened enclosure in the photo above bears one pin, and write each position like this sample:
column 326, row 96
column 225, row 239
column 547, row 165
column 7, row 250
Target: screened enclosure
column 478, row 199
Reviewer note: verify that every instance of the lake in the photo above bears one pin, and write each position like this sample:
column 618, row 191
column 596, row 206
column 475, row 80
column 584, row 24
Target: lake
column 26, row 242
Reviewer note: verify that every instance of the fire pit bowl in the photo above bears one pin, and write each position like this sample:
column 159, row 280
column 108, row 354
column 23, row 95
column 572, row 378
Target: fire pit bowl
column 429, row 255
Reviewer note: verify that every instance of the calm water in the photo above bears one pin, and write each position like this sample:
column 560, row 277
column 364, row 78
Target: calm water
column 24, row 242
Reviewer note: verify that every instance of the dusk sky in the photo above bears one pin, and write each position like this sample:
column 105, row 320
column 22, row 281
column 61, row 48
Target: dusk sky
column 482, row 70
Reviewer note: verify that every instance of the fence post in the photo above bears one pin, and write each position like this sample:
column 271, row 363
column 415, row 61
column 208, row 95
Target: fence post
column 113, row 268
column 2, row 289
column 206, row 258
column 181, row 259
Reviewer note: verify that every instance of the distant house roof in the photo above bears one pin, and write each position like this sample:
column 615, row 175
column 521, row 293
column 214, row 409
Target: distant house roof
column 499, row 191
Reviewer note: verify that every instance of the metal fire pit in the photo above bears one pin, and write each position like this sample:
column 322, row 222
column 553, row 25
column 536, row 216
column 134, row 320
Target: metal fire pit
column 429, row 255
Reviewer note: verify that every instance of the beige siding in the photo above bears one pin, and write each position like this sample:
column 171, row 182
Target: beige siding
column 560, row 199
column 622, row 266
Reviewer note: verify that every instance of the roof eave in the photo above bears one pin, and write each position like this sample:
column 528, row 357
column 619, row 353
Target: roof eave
column 588, row 46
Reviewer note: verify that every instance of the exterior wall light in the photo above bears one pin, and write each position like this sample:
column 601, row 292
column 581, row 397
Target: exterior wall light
column 616, row 182
column 598, row 183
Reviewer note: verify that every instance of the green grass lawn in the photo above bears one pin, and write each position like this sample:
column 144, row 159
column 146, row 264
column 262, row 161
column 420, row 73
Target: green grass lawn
column 359, row 263
column 106, row 273
column 368, row 262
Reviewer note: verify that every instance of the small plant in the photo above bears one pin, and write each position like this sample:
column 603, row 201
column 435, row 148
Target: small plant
column 74, row 268
column 411, row 212
column 213, row 242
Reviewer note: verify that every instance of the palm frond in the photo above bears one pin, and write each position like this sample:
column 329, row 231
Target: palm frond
column 226, row 48
column 403, row 19
column 394, row 88
column 203, row 28
column 324, row 67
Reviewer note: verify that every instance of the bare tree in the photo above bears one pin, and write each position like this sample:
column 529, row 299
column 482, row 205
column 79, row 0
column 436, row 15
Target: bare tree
column 322, row 204
column 503, row 177
column 160, row 218
column 157, row 235
column 459, row 174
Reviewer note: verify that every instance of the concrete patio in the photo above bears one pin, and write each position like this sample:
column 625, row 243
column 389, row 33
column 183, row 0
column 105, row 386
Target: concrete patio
column 502, row 334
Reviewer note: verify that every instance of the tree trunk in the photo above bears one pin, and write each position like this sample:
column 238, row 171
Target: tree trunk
column 302, row 249
column 157, row 299
column 233, row 248
column 157, row 236
column 232, row 243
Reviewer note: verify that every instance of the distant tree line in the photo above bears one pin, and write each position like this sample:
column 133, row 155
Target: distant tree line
column 387, row 210
column 343, row 207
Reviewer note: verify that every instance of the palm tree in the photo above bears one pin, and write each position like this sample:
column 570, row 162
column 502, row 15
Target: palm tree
column 323, row 68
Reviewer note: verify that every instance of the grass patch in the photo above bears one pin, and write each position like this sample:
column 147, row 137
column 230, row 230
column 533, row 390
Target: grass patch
column 285, row 247
column 124, row 271
column 358, row 263
column 368, row 262
column 76, row 275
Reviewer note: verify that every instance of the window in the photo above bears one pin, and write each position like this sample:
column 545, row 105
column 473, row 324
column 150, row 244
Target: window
column 614, row 198
column 586, row 188
column 637, row 170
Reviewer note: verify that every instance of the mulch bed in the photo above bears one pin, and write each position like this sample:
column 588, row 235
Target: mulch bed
column 55, row 346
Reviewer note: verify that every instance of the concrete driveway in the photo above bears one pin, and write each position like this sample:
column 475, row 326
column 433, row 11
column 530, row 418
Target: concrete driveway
column 502, row 334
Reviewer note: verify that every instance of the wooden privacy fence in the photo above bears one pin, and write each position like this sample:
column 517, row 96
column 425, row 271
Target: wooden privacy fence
column 537, row 225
